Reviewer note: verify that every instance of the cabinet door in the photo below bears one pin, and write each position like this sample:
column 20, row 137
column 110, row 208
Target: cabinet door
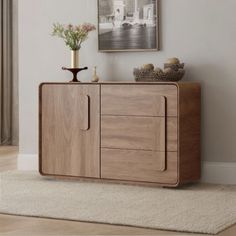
column 69, row 130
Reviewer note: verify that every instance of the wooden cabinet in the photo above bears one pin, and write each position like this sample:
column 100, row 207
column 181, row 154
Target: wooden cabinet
column 145, row 133
column 70, row 130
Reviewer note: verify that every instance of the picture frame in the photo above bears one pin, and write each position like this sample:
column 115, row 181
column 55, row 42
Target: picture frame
column 128, row 25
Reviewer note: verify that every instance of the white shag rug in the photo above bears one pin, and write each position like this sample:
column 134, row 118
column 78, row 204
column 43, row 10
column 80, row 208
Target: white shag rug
column 196, row 209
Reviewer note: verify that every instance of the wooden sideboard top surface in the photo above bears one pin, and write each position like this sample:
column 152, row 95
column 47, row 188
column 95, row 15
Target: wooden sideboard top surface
column 180, row 83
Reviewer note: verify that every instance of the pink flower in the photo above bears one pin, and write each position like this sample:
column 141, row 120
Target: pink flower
column 87, row 27
column 73, row 36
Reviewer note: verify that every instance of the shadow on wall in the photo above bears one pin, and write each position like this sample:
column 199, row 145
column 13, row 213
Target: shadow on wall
column 217, row 117
column 112, row 70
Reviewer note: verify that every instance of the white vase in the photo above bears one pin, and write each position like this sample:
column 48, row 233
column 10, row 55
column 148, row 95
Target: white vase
column 95, row 78
column 74, row 59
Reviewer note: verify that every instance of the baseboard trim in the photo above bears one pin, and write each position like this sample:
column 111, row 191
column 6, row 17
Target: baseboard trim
column 212, row 172
column 27, row 162
column 219, row 172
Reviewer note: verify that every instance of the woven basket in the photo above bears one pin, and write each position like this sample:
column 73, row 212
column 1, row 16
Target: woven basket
column 152, row 76
column 174, row 67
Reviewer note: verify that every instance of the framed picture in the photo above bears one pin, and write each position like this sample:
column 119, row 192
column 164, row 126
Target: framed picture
column 128, row 25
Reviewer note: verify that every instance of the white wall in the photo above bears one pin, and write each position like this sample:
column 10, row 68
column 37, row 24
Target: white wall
column 201, row 32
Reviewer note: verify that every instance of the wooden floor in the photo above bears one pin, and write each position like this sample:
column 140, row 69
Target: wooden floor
column 29, row 226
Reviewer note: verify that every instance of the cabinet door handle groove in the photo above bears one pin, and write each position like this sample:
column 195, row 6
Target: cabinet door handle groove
column 84, row 114
column 162, row 133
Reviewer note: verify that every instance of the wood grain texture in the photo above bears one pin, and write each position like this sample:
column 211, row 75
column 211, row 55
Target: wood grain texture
column 140, row 133
column 134, row 125
column 138, row 165
column 68, row 147
column 8, row 158
column 138, row 99
column 33, row 226
column 189, row 132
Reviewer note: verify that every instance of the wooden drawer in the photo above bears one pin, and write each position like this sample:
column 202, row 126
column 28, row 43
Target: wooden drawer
column 139, row 133
column 138, row 100
column 138, row 165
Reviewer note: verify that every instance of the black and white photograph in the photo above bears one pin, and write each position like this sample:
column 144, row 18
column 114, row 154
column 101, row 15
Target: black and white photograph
column 127, row 25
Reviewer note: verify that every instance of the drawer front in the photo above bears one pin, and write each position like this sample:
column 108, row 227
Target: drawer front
column 138, row 165
column 139, row 133
column 138, row 100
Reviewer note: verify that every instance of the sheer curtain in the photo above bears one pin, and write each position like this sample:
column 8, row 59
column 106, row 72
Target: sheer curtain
column 7, row 86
